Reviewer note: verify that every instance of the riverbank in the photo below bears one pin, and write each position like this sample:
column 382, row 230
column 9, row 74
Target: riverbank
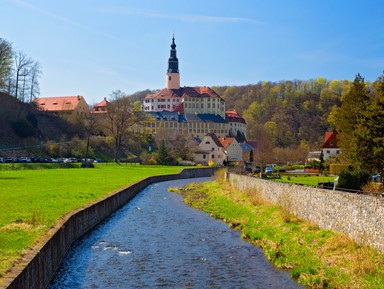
column 33, row 200
column 317, row 258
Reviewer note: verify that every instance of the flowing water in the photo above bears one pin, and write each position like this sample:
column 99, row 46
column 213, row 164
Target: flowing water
column 156, row 241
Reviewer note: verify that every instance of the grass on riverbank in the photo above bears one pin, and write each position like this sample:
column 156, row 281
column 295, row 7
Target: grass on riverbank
column 32, row 201
column 317, row 258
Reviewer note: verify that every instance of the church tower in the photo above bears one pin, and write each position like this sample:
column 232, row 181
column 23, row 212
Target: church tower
column 173, row 76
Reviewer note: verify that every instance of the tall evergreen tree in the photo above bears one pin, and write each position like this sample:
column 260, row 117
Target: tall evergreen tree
column 163, row 157
column 370, row 132
column 346, row 118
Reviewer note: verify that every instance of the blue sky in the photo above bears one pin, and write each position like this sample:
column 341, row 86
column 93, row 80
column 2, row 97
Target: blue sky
column 93, row 47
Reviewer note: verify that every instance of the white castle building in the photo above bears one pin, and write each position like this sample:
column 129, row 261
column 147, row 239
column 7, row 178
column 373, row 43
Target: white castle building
column 196, row 111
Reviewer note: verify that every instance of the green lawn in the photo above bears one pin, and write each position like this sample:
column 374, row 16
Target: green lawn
column 307, row 180
column 31, row 201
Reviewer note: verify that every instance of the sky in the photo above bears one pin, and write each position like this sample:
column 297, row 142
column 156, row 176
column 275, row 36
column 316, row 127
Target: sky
column 94, row 47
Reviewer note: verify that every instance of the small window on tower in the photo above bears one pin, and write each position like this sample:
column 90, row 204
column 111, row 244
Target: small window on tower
column 169, row 77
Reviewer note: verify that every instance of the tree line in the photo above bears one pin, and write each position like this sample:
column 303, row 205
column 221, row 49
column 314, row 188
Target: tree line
column 19, row 74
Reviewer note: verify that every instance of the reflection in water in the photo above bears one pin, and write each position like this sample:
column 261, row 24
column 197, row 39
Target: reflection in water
column 157, row 241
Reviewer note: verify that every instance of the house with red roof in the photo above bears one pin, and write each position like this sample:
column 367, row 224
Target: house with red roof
column 101, row 107
column 210, row 149
column 232, row 148
column 329, row 147
column 68, row 107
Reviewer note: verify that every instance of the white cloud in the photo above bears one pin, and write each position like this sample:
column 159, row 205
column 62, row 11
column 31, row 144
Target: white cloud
column 179, row 17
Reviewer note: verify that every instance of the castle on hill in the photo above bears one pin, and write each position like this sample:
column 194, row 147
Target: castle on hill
column 196, row 111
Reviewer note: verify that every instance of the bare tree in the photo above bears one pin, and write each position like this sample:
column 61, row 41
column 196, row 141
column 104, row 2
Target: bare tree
column 22, row 69
column 122, row 117
column 34, row 88
column 91, row 125
column 6, row 61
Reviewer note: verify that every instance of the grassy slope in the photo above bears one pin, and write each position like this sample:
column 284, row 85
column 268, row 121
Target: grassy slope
column 31, row 201
column 315, row 257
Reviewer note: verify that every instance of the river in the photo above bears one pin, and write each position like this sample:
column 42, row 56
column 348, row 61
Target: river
column 156, row 241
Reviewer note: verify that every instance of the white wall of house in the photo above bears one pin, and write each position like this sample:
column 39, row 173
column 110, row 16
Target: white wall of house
column 211, row 151
column 329, row 152
column 234, row 152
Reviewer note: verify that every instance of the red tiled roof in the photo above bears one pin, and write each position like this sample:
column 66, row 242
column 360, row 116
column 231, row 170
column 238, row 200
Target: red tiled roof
column 226, row 141
column 330, row 140
column 102, row 103
column 215, row 139
column 234, row 116
column 101, row 107
column 185, row 92
column 60, row 103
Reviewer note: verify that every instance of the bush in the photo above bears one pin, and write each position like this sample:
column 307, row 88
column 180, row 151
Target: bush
column 353, row 179
column 87, row 164
column 23, row 128
column 335, row 169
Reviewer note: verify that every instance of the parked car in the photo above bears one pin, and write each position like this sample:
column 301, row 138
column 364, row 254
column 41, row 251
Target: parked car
column 248, row 170
column 376, row 178
column 268, row 170
column 257, row 170
column 2, row 160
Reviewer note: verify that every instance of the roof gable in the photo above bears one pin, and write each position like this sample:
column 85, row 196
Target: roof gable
column 215, row 139
column 330, row 140
column 226, row 141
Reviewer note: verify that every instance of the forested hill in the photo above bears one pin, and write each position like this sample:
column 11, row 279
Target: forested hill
column 289, row 112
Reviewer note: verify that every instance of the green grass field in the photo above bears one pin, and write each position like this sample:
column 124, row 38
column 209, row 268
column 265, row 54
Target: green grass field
column 32, row 201
column 307, row 180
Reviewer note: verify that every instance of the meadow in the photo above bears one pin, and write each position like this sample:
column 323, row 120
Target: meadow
column 307, row 180
column 33, row 200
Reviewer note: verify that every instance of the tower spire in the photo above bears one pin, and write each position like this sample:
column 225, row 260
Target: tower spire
column 173, row 76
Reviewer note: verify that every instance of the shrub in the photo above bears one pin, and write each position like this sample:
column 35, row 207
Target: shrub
column 335, row 169
column 353, row 179
column 87, row 164
column 23, row 128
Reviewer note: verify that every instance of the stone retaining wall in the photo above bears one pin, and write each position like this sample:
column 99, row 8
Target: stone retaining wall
column 41, row 263
column 361, row 217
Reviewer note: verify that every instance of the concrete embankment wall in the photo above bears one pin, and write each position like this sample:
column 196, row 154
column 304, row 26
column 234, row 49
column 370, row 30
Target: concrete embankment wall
column 361, row 217
column 42, row 262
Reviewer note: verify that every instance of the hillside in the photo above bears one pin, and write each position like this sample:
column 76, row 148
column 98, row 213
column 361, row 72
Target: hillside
column 21, row 124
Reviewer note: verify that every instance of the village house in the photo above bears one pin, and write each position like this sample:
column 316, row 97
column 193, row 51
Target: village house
column 232, row 148
column 248, row 152
column 71, row 108
column 329, row 147
column 210, row 149
column 101, row 107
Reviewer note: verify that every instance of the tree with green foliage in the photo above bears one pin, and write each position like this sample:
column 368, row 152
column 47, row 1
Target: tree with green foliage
column 369, row 132
column 163, row 157
column 348, row 116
